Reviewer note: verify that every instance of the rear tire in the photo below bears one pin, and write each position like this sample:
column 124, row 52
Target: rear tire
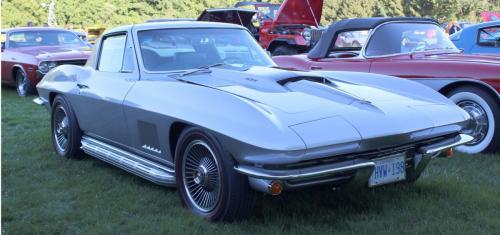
column 206, row 180
column 485, row 124
column 66, row 134
column 284, row 50
column 24, row 86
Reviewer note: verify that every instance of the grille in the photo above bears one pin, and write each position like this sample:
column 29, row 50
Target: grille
column 316, row 35
column 72, row 62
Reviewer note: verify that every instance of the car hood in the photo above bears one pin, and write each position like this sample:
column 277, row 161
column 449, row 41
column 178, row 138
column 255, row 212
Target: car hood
column 228, row 15
column 309, row 101
column 56, row 52
column 306, row 12
column 460, row 57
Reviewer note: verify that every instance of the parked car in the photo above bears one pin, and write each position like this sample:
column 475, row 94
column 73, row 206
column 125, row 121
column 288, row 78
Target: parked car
column 481, row 38
column 238, row 16
column 93, row 34
column 416, row 49
column 288, row 28
column 205, row 110
column 488, row 16
column 29, row 53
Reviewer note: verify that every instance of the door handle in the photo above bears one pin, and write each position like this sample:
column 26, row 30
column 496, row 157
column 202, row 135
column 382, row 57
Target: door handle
column 82, row 86
column 13, row 58
column 316, row 67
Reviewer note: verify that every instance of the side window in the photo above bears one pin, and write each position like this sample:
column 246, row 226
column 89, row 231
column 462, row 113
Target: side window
column 111, row 56
column 489, row 37
column 352, row 40
column 3, row 38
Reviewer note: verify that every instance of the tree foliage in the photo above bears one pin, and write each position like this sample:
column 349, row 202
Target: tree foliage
column 86, row 13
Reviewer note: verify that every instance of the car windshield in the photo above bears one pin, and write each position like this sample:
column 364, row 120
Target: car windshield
column 396, row 38
column 183, row 49
column 43, row 38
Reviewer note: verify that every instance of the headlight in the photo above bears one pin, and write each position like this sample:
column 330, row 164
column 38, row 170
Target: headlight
column 307, row 34
column 46, row 66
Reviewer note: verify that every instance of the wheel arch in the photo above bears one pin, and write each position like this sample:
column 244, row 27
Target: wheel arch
column 280, row 42
column 16, row 68
column 175, row 131
column 478, row 84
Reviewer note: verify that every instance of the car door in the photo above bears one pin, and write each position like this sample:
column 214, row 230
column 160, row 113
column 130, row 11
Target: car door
column 487, row 41
column 341, row 64
column 7, row 63
column 101, row 93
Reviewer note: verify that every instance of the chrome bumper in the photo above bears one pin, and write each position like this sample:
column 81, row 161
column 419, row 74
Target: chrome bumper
column 358, row 170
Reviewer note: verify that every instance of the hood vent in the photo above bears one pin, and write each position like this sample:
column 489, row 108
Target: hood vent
column 321, row 80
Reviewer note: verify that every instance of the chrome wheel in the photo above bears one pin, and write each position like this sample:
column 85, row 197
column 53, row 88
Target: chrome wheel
column 201, row 176
column 478, row 127
column 22, row 83
column 61, row 129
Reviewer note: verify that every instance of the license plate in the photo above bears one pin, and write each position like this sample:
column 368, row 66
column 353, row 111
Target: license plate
column 389, row 169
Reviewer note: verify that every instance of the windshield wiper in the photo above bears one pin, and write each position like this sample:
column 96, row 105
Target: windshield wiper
column 202, row 68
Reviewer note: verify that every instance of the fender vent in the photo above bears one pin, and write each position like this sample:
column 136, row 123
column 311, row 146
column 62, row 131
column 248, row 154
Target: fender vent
column 149, row 137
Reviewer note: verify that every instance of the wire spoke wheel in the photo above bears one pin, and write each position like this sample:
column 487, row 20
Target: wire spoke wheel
column 478, row 127
column 61, row 128
column 201, row 176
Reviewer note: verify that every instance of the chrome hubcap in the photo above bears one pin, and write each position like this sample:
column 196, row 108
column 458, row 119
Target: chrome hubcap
column 201, row 174
column 61, row 129
column 478, row 126
column 22, row 83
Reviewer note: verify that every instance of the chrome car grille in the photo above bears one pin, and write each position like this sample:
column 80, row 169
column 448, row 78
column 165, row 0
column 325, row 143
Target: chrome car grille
column 72, row 62
column 316, row 35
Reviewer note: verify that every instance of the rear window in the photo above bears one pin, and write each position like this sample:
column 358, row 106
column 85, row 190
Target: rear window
column 489, row 37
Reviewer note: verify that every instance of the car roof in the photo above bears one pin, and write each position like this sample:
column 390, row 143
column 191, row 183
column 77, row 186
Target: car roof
column 172, row 25
column 321, row 48
column 484, row 24
column 242, row 4
column 230, row 9
column 20, row 29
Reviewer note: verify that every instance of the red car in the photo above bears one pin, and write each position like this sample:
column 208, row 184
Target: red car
column 417, row 49
column 286, row 29
column 29, row 53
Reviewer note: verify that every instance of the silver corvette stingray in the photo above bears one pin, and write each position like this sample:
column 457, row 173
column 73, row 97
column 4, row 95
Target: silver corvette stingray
column 202, row 107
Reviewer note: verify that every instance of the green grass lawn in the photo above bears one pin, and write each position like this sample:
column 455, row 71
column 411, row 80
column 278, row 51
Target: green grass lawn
column 42, row 193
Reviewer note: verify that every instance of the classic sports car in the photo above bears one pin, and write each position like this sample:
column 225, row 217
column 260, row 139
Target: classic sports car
column 199, row 106
column 417, row 49
column 481, row 38
column 29, row 53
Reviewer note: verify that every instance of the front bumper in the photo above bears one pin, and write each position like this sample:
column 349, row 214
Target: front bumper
column 358, row 170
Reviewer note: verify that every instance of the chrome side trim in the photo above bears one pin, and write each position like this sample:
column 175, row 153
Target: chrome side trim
column 445, row 144
column 304, row 172
column 132, row 163
column 39, row 101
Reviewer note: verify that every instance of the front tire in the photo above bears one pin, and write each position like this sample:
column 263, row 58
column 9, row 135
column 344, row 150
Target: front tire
column 485, row 124
column 206, row 181
column 284, row 50
column 24, row 86
column 66, row 134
